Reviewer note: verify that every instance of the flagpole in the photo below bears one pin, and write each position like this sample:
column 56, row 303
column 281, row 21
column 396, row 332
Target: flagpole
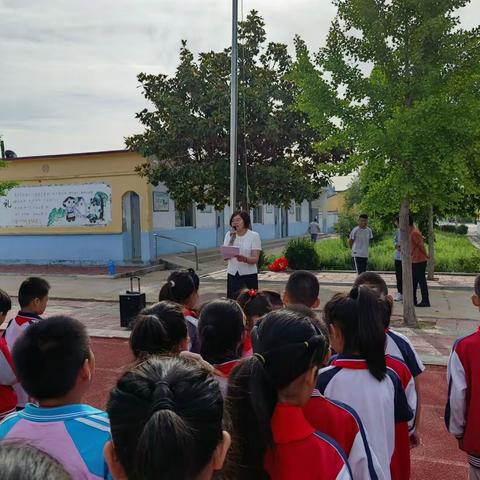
column 233, row 108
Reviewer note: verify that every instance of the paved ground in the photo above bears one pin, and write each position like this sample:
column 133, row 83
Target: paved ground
column 436, row 459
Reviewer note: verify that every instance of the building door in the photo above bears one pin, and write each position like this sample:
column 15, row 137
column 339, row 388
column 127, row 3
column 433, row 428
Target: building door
column 220, row 222
column 278, row 230
column 132, row 249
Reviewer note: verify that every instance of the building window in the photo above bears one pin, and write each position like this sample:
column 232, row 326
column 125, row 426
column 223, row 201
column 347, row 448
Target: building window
column 298, row 213
column 185, row 218
column 258, row 214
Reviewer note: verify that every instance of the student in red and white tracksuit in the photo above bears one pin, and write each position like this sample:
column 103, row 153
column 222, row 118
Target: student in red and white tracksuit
column 301, row 452
column 397, row 345
column 400, row 463
column 358, row 375
column 267, row 394
column 8, row 397
column 462, row 414
column 341, row 422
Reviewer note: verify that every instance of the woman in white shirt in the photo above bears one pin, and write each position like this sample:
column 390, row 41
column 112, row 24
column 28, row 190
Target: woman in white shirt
column 242, row 269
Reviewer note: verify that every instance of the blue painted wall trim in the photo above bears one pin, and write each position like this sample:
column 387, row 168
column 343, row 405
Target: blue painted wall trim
column 78, row 249
column 203, row 237
column 296, row 229
column 267, row 232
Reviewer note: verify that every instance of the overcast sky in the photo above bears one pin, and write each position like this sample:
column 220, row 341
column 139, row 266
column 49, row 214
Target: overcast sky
column 68, row 67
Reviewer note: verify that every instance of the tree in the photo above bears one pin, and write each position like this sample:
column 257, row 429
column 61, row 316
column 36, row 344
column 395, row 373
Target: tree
column 4, row 186
column 397, row 84
column 187, row 131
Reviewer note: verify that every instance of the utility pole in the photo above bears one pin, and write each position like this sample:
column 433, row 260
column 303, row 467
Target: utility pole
column 233, row 108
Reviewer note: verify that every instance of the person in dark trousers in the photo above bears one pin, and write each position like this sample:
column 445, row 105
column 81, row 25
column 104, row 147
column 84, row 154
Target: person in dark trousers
column 419, row 265
column 314, row 230
column 242, row 270
column 359, row 241
column 398, row 297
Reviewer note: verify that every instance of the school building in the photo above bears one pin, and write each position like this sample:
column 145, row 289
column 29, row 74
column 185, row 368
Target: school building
column 89, row 208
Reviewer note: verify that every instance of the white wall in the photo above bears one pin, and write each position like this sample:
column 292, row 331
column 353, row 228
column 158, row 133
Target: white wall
column 166, row 220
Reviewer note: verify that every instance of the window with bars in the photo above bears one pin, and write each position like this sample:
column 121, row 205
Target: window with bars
column 257, row 216
column 185, row 218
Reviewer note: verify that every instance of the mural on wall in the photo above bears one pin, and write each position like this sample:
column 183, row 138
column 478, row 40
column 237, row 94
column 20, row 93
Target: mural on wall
column 74, row 205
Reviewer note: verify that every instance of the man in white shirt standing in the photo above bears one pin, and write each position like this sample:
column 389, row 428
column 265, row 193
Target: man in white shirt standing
column 359, row 242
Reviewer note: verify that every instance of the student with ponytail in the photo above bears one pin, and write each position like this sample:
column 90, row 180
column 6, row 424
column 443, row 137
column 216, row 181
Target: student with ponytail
column 166, row 420
column 182, row 287
column 255, row 304
column 159, row 330
column 358, row 375
column 270, row 434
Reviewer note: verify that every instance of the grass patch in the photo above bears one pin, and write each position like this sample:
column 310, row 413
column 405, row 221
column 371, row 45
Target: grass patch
column 453, row 253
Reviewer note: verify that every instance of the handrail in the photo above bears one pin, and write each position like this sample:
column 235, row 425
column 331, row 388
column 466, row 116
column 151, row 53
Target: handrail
column 194, row 245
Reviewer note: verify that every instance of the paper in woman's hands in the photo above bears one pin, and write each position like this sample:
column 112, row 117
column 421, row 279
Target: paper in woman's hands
column 229, row 252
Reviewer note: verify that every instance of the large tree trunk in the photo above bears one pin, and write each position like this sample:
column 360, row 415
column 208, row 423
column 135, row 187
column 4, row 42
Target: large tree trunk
column 431, row 245
column 409, row 315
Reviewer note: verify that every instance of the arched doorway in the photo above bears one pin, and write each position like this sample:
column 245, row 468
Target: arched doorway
column 132, row 236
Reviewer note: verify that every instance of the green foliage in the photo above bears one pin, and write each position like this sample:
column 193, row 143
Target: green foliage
column 302, row 255
column 346, row 222
column 265, row 260
column 408, row 112
column 186, row 137
column 454, row 253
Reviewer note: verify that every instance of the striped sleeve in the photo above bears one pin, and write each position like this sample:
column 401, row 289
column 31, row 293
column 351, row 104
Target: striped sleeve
column 406, row 351
column 345, row 472
column 363, row 461
column 457, row 388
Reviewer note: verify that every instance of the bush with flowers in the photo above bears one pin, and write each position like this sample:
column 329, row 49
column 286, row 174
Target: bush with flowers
column 279, row 265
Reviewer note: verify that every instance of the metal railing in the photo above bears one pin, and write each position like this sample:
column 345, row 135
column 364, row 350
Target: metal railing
column 190, row 244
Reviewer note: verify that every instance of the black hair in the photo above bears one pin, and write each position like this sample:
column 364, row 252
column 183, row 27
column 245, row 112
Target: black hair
column 410, row 219
column 32, row 288
column 49, row 355
column 20, row 461
column 5, row 302
column 302, row 288
column 379, row 286
column 372, row 280
column 477, row 286
column 245, row 217
column 166, row 419
column 360, row 315
column 255, row 304
column 158, row 329
column 364, row 216
column 275, row 298
column 288, row 345
column 221, row 328
column 179, row 286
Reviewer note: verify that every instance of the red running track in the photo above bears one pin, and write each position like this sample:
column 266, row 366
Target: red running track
column 438, row 458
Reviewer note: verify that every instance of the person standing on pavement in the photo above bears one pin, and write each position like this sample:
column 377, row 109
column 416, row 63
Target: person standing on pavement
column 359, row 242
column 419, row 265
column 314, row 229
column 242, row 270
column 398, row 297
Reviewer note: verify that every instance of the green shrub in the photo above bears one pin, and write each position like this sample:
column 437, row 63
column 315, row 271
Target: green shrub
column 346, row 222
column 302, row 255
column 461, row 229
column 448, row 228
column 265, row 260
column 453, row 253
